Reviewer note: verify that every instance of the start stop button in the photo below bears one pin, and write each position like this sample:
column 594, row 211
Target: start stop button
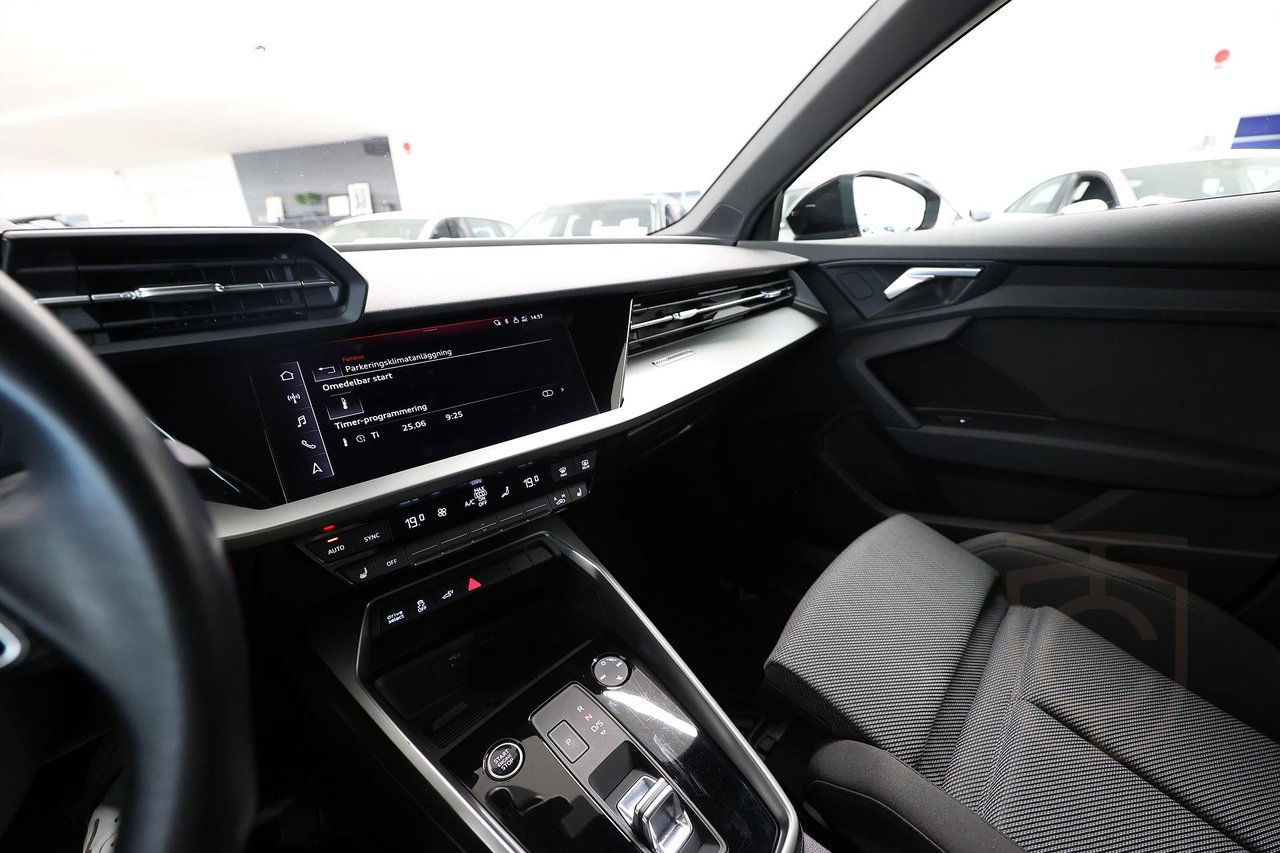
column 504, row 760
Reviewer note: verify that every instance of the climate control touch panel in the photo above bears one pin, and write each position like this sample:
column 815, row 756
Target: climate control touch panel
column 431, row 525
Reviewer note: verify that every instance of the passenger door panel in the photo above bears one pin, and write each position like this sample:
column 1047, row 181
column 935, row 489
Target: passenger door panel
column 1132, row 410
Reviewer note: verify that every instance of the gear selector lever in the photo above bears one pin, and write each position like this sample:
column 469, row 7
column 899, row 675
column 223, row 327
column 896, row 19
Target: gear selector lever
column 654, row 810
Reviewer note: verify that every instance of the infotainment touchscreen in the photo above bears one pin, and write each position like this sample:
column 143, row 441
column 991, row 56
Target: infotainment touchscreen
column 344, row 411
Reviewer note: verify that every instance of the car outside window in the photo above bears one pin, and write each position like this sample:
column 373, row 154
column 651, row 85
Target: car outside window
column 1040, row 199
column 117, row 121
column 1202, row 179
column 1000, row 128
column 486, row 228
column 355, row 231
column 625, row 218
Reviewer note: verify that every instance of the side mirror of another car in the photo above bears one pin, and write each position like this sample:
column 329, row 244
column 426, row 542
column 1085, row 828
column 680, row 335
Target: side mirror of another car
column 865, row 203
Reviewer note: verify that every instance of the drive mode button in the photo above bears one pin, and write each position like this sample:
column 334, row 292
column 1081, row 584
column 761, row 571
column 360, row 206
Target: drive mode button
column 394, row 614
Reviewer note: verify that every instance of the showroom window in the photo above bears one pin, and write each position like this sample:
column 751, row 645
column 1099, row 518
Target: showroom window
column 1000, row 126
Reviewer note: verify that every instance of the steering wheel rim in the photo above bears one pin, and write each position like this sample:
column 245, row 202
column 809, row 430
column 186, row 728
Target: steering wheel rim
column 107, row 553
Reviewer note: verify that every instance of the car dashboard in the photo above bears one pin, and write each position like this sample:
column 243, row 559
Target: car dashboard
column 407, row 423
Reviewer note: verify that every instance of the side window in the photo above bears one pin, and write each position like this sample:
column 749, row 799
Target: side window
column 995, row 128
column 1040, row 199
column 482, row 228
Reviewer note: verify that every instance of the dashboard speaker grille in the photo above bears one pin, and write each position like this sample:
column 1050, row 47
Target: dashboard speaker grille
column 665, row 317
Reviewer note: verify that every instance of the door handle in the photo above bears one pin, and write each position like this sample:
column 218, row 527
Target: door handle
column 919, row 275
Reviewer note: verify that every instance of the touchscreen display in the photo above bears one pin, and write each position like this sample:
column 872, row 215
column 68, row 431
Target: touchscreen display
column 344, row 411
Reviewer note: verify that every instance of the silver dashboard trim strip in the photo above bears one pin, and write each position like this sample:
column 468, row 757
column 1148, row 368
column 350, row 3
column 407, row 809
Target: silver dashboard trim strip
column 673, row 357
column 718, row 354
column 475, row 276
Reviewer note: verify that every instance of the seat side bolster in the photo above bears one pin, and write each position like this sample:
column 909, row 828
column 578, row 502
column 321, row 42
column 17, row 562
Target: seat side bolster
column 865, row 793
column 874, row 644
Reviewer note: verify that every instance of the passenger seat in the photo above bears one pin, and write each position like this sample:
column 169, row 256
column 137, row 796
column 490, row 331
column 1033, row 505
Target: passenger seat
column 1012, row 694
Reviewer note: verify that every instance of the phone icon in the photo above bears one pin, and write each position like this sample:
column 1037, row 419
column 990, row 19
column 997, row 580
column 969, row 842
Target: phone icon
column 308, row 445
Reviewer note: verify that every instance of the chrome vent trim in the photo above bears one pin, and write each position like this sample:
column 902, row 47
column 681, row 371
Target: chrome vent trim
column 124, row 288
column 671, row 316
column 179, row 292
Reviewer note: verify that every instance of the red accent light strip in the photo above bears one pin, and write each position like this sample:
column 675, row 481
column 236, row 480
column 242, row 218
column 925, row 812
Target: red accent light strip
column 487, row 321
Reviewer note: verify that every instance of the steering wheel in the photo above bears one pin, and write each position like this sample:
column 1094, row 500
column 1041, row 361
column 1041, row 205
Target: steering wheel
column 106, row 552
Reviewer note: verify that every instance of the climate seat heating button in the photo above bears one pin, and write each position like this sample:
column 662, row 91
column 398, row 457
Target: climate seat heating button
column 375, row 566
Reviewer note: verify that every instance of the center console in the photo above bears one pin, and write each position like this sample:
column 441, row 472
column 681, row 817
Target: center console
column 529, row 692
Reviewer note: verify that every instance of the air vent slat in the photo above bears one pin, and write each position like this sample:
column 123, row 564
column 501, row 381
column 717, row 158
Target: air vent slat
column 666, row 317
column 129, row 288
column 165, row 266
column 202, row 315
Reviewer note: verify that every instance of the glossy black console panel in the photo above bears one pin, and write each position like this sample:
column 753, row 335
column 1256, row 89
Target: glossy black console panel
column 544, row 807
column 495, row 669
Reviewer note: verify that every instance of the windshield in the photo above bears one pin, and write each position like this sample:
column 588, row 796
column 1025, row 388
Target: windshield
column 303, row 114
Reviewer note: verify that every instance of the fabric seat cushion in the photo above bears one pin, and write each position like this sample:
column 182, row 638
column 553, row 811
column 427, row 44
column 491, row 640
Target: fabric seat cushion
column 1072, row 744
column 1051, row 733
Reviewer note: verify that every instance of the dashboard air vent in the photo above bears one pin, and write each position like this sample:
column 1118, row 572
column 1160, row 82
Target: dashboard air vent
column 666, row 317
column 117, row 286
